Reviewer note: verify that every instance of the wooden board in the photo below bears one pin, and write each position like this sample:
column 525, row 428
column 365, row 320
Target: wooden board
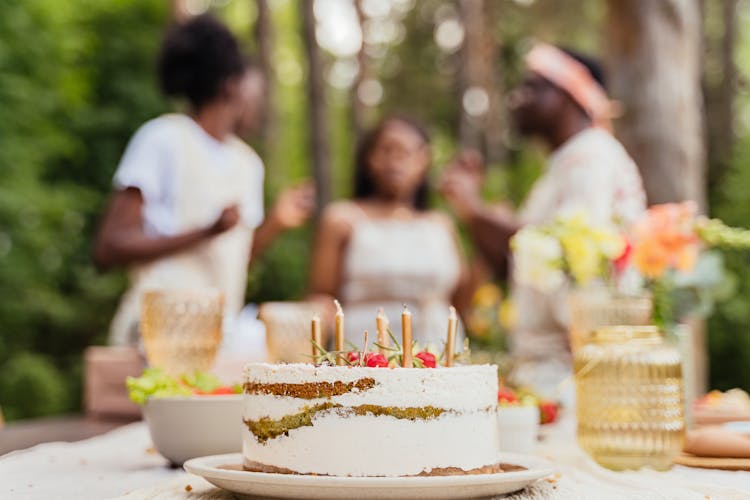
column 713, row 463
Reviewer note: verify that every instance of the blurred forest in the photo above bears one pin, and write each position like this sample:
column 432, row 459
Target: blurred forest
column 77, row 79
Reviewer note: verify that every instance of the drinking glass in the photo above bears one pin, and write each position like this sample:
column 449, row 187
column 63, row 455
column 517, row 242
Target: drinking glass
column 181, row 329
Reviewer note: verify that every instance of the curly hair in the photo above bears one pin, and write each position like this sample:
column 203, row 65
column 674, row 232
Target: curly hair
column 197, row 58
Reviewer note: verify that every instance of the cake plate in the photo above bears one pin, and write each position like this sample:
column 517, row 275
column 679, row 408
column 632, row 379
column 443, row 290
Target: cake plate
column 267, row 485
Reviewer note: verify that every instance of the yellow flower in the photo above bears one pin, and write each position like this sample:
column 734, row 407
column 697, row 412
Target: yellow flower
column 583, row 258
column 611, row 244
column 486, row 295
column 507, row 314
column 479, row 325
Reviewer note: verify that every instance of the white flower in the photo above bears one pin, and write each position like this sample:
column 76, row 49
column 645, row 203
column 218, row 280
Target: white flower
column 537, row 260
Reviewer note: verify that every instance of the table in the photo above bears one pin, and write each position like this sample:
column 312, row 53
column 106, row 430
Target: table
column 24, row 434
column 122, row 463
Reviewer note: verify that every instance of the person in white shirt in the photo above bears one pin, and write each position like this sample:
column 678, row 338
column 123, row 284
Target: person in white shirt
column 561, row 101
column 187, row 207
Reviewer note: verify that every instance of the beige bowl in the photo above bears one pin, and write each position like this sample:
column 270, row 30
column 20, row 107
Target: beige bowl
column 194, row 426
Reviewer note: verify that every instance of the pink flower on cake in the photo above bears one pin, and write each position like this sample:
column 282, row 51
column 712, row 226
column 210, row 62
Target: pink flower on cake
column 428, row 359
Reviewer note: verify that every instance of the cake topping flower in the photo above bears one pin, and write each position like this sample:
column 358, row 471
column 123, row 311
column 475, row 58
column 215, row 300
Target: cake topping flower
column 353, row 357
column 376, row 360
column 428, row 359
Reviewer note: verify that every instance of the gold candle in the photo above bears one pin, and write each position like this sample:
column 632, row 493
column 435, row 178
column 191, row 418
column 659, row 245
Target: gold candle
column 406, row 335
column 450, row 343
column 339, row 333
column 317, row 338
column 381, row 320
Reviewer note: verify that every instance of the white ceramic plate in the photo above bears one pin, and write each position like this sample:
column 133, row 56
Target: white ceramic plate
column 265, row 485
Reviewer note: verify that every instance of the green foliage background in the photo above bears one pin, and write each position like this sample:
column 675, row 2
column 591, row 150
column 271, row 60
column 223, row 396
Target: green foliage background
column 76, row 80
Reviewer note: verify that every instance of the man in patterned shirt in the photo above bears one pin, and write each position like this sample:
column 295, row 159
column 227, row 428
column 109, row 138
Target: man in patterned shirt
column 562, row 102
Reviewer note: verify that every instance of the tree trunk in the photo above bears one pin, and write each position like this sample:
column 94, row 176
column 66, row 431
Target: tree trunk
column 358, row 107
column 655, row 71
column 264, row 42
column 479, row 131
column 720, row 91
column 318, row 123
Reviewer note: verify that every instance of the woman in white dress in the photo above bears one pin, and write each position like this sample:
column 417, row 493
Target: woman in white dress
column 187, row 206
column 385, row 248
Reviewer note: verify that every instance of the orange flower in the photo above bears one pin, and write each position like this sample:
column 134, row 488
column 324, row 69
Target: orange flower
column 665, row 238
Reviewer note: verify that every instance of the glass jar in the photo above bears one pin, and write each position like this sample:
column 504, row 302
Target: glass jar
column 629, row 394
column 181, row 329
column 597, row 307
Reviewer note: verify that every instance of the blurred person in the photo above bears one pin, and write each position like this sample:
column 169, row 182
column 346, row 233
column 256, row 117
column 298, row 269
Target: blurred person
column 187, row 208
column 562, row 101
column 385, row 247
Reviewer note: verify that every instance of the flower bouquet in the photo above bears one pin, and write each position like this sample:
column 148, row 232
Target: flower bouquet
column 570, row 247
column 676, row 252
column 667, row 253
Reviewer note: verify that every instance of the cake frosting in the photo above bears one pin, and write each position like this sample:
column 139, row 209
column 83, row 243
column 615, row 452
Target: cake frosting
column 360, row 421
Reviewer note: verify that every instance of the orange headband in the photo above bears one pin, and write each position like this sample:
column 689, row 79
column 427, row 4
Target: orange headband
column 574, row 78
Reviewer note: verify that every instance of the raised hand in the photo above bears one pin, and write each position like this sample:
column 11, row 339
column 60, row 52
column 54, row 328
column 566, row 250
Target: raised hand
column 294, row 206
column 461, row 182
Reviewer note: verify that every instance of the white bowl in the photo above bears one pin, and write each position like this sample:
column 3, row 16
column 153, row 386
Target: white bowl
column 518, row 428
column 194, row 426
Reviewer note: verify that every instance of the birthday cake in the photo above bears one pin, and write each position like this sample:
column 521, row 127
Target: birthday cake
column 365, row 421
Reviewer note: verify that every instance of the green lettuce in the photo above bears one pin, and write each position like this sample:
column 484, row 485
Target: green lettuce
column 154, row 383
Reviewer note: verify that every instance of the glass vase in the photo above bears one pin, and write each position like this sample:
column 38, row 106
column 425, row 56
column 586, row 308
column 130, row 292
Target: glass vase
column 597, row 307
column 629, row 390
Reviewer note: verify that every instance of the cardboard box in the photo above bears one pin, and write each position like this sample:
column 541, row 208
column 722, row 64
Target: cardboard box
column 106, row 368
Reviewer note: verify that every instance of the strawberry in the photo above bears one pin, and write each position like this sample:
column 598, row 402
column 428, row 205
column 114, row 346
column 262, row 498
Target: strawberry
column 376, row 360
column 547, row 412
column 353, row 357
column 506, row 395
column 428, row 359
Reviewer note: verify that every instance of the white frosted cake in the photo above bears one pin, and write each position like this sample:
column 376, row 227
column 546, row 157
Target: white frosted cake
column 360, row 421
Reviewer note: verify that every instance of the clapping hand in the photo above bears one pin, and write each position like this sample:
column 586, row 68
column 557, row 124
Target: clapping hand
column 229, row 218
column 294, row 206
column 461, row 183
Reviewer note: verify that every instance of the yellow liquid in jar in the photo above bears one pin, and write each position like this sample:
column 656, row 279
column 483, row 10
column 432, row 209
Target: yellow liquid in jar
column 629, row 399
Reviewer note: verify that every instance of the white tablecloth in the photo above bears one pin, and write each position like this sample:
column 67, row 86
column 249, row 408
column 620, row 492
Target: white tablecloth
column 122, row 463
